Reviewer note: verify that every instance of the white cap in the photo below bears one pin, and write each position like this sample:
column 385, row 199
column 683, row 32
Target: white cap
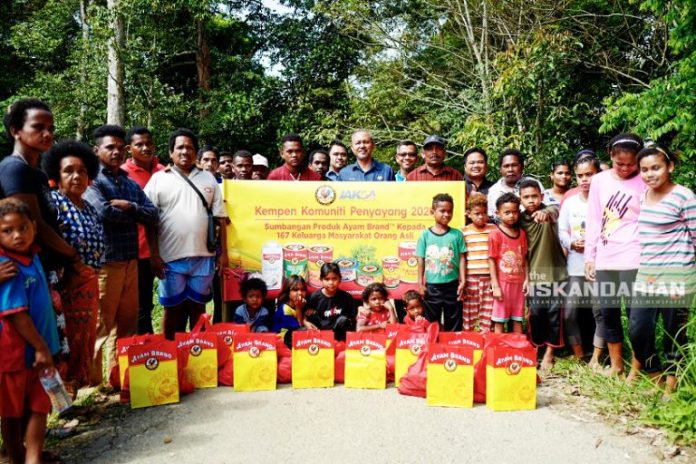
column 260, row 160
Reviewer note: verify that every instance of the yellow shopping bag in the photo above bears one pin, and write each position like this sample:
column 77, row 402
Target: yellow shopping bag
column 409, row 345
column 465, row 338
column 152, row 374
column 201, row 368
column 255, row 361
column 312, row 359
column 510, row 378
column 366, row 362
column 450, row 376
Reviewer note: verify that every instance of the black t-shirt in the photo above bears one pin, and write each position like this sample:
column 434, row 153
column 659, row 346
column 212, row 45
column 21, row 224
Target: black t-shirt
column 329, row 309
column 17, row 177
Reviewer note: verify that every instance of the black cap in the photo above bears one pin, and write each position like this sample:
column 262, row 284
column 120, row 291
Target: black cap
column 434, row 139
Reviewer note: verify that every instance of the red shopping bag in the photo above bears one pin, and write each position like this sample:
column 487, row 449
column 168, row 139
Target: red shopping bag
column 491, row 339
column 407, row 345
column 226, row 332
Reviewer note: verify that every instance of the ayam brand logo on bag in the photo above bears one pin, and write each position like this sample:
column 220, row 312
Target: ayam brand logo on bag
column 196, row 341
column 522, row 361
column 411, row 342
column 259, row 345
column 362, row 344
column 440, row 357
column 313, row 341
column 151, row 354
column 464, row 342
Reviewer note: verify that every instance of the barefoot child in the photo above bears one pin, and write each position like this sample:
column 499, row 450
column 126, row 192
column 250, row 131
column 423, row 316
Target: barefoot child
column 252, row 312
column 413, row 304
column 28, row 336
column 376, row 311
column 330, row 308
column 291, row 301
column 571, row 232
column 507, row 258
column 546, row 266
column 442, row 266
column 667, row 225
column 478, row 300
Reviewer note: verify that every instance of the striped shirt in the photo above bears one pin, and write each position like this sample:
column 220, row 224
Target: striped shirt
column 667, row 234
column 422, row 173
column 477, row 248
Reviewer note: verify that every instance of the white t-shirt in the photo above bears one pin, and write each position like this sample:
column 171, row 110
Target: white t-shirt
column 571, row 227
column 183, row 226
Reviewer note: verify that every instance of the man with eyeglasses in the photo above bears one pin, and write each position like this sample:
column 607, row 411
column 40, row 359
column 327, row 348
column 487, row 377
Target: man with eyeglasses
column 475, row 168
column 406, row 157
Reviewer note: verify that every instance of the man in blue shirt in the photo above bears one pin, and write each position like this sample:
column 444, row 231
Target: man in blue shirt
column 121, row 205
column 365, row 168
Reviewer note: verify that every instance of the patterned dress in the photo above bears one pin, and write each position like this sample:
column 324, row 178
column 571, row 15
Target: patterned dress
column 82, row 229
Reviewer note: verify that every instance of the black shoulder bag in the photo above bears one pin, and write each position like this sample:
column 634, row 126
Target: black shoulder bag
column 210, row 242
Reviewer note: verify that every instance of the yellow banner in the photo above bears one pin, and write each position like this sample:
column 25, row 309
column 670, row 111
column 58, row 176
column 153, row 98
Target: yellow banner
column 369, row 229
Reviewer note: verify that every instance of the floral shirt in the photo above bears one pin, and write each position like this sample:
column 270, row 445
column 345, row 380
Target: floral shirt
column 81, row 228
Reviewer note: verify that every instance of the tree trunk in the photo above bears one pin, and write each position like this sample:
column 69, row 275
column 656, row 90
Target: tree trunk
column 202, row 64
column 115, row 103
column 81, row 124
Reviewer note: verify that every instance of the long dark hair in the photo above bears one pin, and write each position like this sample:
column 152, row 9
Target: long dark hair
column 290, row 284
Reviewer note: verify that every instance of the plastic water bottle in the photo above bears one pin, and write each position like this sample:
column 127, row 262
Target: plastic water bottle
column 53, row 384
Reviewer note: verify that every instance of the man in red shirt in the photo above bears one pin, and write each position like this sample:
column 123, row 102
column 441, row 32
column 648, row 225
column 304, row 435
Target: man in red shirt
column 141, row 165
column 292, row 152
column 434, row 167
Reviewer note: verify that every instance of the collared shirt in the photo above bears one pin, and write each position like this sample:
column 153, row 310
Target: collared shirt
column 120, row 227
column 422, row 173
column 141, row 177
column 183, row 226
column 379, row 172
column 332, row 175
column 283, row 173
column 500, row 187
column 483, row 188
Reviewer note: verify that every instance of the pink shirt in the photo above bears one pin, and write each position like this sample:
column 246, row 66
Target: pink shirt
column 141, row 177
column 611, row 238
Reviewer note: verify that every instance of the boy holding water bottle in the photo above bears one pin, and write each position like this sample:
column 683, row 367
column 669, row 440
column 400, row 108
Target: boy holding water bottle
column 28, row 337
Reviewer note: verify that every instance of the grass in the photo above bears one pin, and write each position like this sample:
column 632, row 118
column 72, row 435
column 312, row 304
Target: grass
column 642, row 402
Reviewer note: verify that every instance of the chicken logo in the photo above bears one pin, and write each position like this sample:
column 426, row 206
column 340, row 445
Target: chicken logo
column 513, row 369
column 196, row 350
column 365, row 350
column 228, row 340
column 151, row 364
column 450, row 365
column 313, row 349
column 254, row 352
column 415, row 349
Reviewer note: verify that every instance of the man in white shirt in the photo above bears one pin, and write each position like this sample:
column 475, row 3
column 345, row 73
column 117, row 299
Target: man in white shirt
column 180, row 250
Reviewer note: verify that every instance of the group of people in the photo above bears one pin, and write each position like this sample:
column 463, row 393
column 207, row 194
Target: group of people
column 84, row 230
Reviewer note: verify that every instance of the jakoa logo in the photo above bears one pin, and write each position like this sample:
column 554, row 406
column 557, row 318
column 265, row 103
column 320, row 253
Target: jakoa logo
column 325, row 195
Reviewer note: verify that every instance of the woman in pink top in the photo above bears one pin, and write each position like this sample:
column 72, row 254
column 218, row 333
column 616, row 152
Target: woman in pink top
column 612, row 250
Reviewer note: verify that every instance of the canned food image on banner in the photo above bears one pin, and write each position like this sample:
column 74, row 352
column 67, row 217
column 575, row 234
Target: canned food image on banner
column 409, row 262
column 348, row 267
column 391, row 271
column 369, row 274
column 295, row 260
column 317, row 256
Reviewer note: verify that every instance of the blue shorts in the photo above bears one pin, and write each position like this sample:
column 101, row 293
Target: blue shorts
column 190, row 278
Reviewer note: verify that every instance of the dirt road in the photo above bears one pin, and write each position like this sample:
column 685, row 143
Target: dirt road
column 346, row 426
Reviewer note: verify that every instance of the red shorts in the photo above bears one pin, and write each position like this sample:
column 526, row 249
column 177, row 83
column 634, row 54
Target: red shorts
column 512, row 304
column 21, row 392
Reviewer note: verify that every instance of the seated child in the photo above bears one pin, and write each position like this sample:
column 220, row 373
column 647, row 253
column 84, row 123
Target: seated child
column 376, row 311
column 478, row 299
column 28, row 336
column 330, row 308
column 413, row 303
column 252, row 312
column 291, row 301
